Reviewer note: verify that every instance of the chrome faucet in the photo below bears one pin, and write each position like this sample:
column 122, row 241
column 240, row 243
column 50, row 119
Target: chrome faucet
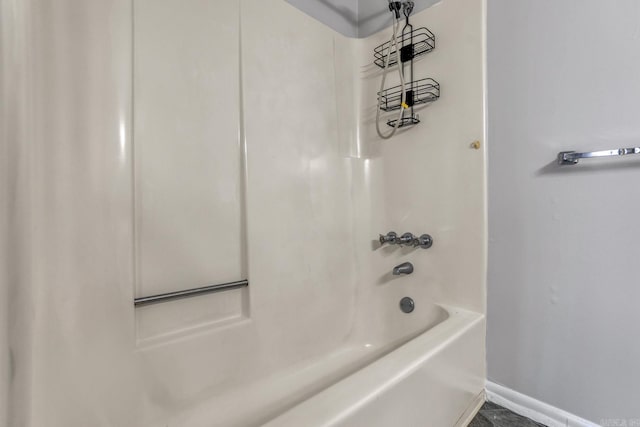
column 404, row 268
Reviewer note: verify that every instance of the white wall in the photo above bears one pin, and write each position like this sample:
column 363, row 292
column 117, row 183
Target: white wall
column 428, row 178
column 79, row 359
column 563, row 283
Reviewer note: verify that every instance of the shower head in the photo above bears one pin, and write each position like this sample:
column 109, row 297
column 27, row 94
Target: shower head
column 395, row 7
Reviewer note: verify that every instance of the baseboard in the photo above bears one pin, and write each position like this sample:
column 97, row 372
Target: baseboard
column 472, row 410
column 534, row 409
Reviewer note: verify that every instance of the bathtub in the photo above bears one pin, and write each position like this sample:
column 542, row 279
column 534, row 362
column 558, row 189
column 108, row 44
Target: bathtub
column 432, row 376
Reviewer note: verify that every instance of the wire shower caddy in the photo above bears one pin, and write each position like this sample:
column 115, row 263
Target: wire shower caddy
column 412, row 43
column 418, row 92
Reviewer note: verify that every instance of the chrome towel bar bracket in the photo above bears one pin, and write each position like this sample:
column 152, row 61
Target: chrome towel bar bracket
column 171, row 296
column 572, row 157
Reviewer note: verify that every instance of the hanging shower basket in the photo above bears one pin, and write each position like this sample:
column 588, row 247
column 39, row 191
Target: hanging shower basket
column 414, row 43
column 421, row 91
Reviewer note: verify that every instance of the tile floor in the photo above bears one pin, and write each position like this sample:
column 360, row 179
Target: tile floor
column 492, row 415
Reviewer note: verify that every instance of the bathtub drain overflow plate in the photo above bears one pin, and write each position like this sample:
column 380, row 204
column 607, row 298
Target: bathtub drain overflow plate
column 407, row 305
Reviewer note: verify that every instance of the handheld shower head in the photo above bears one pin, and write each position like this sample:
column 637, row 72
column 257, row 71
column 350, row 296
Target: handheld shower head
column 395, row 7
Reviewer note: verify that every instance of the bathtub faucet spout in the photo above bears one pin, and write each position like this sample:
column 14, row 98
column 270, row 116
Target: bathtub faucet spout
column 404, row 268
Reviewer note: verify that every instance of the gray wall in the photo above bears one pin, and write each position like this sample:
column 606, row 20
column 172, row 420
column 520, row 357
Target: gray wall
column 341, row 15
column 354, row 18
column 564, row 258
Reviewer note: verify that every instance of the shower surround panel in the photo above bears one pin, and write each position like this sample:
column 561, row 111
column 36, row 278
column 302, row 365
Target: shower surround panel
column 188, row 161
column 201, row 144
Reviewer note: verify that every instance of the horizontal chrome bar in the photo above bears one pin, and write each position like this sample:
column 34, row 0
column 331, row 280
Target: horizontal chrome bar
column 170, row 296
column 572, row 157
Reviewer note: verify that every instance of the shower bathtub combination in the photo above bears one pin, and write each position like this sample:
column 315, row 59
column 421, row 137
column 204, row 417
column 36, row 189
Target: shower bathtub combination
column 230, row 214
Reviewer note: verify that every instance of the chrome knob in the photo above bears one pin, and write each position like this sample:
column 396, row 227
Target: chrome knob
column 390, row 238
column 406, row 239
column 425, row 241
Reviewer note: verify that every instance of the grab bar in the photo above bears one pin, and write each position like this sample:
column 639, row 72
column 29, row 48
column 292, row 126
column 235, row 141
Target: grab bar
column 170, row 296
column 571, row 157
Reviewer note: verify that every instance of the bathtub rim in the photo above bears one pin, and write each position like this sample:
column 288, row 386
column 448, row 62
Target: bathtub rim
column 342, row 399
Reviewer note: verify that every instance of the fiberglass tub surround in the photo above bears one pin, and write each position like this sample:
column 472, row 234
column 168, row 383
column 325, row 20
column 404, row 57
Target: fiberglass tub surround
column 243, row 147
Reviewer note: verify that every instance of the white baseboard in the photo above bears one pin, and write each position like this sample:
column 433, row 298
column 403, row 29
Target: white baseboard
column 534, row 409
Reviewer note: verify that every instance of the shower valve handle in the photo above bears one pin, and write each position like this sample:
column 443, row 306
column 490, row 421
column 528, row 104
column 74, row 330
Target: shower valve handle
column 391, row 238
column 425, row 241
column 407, row 239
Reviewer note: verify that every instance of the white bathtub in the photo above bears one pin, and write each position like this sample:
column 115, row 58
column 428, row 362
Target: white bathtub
column 431, row 376
column 434, row 380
